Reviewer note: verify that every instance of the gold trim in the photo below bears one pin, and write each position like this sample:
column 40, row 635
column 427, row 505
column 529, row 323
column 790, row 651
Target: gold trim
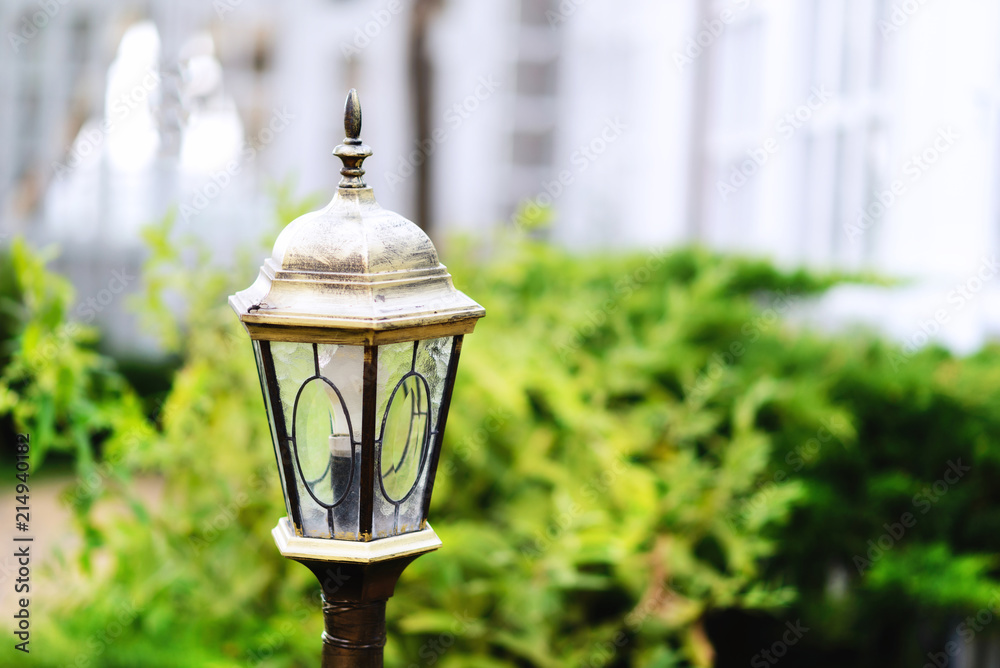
column 357, row 337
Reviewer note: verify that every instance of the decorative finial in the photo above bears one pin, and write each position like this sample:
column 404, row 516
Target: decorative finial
column 352, row 117
column 352, row 152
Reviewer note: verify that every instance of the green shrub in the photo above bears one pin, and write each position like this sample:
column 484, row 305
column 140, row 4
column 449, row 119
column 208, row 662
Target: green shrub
column 629, row 459
column 52, row 383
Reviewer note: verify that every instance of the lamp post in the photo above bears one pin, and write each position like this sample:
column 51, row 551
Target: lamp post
column 357, row 329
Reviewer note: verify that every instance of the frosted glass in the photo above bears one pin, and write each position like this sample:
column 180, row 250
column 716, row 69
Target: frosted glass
column 384, row 521
column 293, row 365
column 404, row 437
column 411, row 512
column 432, row 362
column 345, row 367
column 324, row 454
column 324, row 431
column 270, row 418
column 404, row 449
column 394, row 360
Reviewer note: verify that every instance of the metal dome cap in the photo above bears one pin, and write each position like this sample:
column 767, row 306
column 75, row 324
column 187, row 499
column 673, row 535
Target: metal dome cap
column 354, row 272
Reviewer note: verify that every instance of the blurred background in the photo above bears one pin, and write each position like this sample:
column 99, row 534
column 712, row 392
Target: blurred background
column 852, row 147
column 777, row 128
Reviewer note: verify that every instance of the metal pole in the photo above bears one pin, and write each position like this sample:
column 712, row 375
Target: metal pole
column 354, row 634
column 354, row 599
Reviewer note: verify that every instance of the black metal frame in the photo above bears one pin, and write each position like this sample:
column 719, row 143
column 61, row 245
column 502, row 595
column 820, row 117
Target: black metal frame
column 370, row 441
column 449, row 386
column 280, row 436
column 369, row 403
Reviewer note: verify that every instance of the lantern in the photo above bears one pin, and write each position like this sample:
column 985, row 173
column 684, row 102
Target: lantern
column 357, row 330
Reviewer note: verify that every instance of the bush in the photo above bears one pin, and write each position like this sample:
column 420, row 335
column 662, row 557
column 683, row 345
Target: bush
column 640, row 452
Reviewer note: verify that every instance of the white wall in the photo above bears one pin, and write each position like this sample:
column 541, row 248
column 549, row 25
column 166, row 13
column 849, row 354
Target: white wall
column 947, row 78
column 659, row 151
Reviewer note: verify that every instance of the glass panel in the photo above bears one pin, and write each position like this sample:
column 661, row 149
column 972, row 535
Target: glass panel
column 315, row 523
column 432, row 363
column 270, row 418
column 404, row 437
column 344, row 367
column 394, row 361
column 321, row 391
column 384, row 522
column 411, row 511
column 293, row 365
column 347, row 512
column 323, row 413
column 407, row 421
column 322, row 438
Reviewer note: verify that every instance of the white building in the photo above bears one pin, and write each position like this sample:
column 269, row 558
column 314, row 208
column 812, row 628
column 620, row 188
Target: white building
column 846, row 133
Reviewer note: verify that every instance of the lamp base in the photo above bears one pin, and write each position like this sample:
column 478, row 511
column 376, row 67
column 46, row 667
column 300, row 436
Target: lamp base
column 356, row 579
column 341, row 551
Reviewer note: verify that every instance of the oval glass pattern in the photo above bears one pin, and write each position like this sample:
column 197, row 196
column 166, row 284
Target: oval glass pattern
column 322, row 435
column 405, row 436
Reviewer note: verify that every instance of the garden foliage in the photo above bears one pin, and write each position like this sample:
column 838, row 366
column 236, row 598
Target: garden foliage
column 640, row 448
